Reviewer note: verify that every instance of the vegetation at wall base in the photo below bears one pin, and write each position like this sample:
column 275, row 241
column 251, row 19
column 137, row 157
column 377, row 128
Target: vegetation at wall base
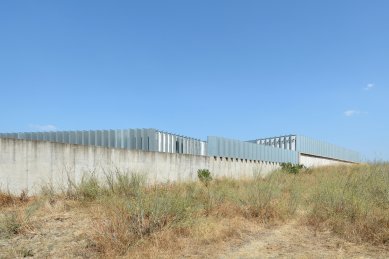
column 204, row 176
column 291, row 168
column 124, row 215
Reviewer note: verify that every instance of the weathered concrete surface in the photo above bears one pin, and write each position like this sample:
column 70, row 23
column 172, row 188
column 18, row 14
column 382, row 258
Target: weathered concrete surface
column 237, row 168
column 313, row 161
column 28, row 164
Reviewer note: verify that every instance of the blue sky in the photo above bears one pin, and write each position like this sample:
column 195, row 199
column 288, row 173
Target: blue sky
column 238, row 69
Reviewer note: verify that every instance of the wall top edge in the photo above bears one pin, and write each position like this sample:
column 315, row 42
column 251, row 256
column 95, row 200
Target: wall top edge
column 54, row 131
column 102, row 130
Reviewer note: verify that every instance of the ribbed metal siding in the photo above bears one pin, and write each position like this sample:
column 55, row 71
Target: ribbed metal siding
column 314, row 147
column 310, row 146
column 142, row 139
column 284, row 142
column 222, row 147
column 134, row 139
column 173, row 143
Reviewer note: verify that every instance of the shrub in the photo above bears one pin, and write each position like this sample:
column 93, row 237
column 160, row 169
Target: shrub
column 125, row 184
column 88, row 189
column 204, row 176
column 291, row 169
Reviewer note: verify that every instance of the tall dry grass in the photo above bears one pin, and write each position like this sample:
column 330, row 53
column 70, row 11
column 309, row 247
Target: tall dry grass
column 131, row 212
column 14, row 218
column 351, row 201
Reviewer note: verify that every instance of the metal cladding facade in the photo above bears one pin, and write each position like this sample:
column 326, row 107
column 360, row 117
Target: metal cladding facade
column 172, row 143
column 285, row 142
column 141, row 139
column 276, row 149
column 222, row 147
column 310, row 146
column 134, row 139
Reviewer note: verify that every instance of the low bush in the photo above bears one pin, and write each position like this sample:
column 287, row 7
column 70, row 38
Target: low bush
column 291, row 168
column 204, row 176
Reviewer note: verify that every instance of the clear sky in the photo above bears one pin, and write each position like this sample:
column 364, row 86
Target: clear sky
column 238, row 69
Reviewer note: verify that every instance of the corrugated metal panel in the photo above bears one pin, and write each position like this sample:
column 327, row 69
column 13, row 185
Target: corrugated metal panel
column 277, row 149
column 138, row 139
column 283, row 142
column 311, row 146
column 314, row 147
column 222, row 147
column 174, row 143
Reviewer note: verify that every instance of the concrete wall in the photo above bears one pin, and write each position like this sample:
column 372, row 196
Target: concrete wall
column 28, row 164
column 238, row 168
column 313, row 161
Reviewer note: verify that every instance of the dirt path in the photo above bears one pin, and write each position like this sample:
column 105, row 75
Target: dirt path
column 295, row 241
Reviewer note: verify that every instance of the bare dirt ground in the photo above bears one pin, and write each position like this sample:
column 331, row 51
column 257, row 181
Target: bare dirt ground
column 59, row 235
column 293, row 240
column 64, row 233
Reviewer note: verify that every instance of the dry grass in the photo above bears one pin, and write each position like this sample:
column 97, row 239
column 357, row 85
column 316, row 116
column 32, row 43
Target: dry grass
column 8, row 199
column 353, row 203
column 130, row 217
column 17, row 219
column 13, row 219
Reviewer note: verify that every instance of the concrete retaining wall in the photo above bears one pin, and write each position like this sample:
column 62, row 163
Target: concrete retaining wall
column 313, row 161
column 27, row 164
